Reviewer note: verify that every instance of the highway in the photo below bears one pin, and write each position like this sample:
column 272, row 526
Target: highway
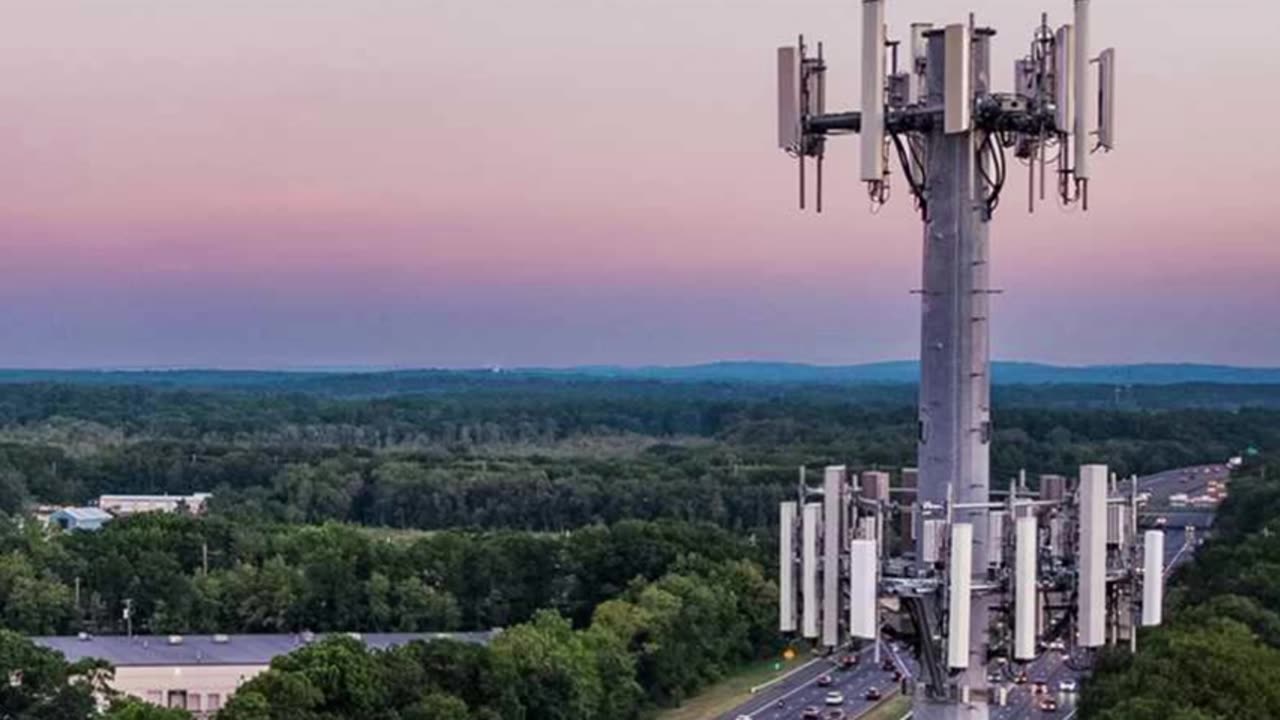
column 801, row 690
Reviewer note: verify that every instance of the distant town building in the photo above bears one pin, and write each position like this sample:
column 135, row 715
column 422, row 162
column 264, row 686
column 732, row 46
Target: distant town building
column 199, row 673
column 122, row 505
column 80, row 518
column 910, row 477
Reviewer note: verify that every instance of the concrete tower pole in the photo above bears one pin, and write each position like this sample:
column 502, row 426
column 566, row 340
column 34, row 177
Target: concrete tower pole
column 955, row 412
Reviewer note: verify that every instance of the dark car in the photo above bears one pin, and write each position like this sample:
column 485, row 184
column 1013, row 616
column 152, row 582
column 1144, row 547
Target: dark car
column 836, row 714
column 811, row 713
column 1020, row 678
column 887, row 664
column 847, row 662
column 1048, row 704
column 825, row 681
column 872, row 694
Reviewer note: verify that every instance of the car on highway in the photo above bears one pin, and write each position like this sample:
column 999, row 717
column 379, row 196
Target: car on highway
column 872, row 693
column 848, row 662
column 1039, row 687
column 1067, row 686
column 1020, row 678
column 835, row 697
column 1049, row 704
column 835, row 714
column 825, row 681
column 887, row 664
column 811, row 713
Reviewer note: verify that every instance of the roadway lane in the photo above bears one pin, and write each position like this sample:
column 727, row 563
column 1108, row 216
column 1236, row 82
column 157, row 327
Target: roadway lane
column 802, row 690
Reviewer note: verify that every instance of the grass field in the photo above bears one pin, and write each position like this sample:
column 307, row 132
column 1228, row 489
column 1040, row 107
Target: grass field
column 728, row 693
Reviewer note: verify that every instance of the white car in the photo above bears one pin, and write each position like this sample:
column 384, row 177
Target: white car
column 835, row 698
column 1067, row 686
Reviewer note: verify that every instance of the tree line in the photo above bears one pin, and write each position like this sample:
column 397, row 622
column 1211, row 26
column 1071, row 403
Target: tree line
column 654, row 644
column 208, row 575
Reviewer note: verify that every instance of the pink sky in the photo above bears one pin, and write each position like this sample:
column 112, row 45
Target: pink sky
column 461, row 182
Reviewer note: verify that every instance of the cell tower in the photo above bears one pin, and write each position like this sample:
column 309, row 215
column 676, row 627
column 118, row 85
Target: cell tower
column 1066, row 567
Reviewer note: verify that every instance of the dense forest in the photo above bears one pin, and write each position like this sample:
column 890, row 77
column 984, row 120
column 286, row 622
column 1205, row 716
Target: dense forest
column 621, row 532
column 538, row 454
column 1218, row 655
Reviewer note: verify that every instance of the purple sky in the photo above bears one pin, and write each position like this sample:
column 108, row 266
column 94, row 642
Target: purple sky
column 466, row 182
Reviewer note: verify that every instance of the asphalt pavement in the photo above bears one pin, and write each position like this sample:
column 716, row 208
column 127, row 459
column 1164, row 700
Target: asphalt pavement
column 801, row 690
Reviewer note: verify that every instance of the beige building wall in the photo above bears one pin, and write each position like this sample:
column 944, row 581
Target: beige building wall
column 199, row 688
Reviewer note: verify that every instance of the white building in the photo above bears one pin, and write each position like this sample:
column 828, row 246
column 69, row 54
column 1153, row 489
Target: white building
column 121, row 505
column 200, row 672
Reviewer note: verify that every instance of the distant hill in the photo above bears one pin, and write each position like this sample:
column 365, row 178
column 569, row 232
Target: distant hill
column 380, row 381
column 907, row 371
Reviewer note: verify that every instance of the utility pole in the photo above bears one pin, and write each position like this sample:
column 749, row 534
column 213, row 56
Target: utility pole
column 936, row 112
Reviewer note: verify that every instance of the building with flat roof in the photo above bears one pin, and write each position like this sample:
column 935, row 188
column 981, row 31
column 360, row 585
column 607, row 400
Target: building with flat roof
column 121, row 505
column 200, row 672
column 80, row 518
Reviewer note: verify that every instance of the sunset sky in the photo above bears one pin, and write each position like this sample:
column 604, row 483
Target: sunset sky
column 272, row 183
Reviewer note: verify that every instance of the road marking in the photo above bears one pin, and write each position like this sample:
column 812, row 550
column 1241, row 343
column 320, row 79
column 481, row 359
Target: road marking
column 788, row 674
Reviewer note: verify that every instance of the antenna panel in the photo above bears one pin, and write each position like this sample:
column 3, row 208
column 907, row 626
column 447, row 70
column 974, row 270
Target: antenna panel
column 1107, row 99
column 960, row 588
column 1024, row 599
column 809, row 569
column 863, row 578
column 995, row 537
column 919, row 47
column 832, row 532
column 1092, row 596
column 1024, row 78
column 787, row 568
column 1153, row 578
column 873, row 82
column 932, row 533
column 788, row 98
column 958, row 78
column 1086, row 95
column 1064, row 66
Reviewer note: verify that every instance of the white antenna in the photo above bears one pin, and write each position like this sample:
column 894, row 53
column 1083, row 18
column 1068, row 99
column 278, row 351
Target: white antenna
column 809, row 569
column 1024, row 600
column 960, row 589
column 1086, row 99
column 787, row 568
column 1107, row 99
column 1064, row 83
column 789, row 134
column 873, row 82
column 958, row 104
column 863, row 579
column 1153, row 578
column 1092, row 593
